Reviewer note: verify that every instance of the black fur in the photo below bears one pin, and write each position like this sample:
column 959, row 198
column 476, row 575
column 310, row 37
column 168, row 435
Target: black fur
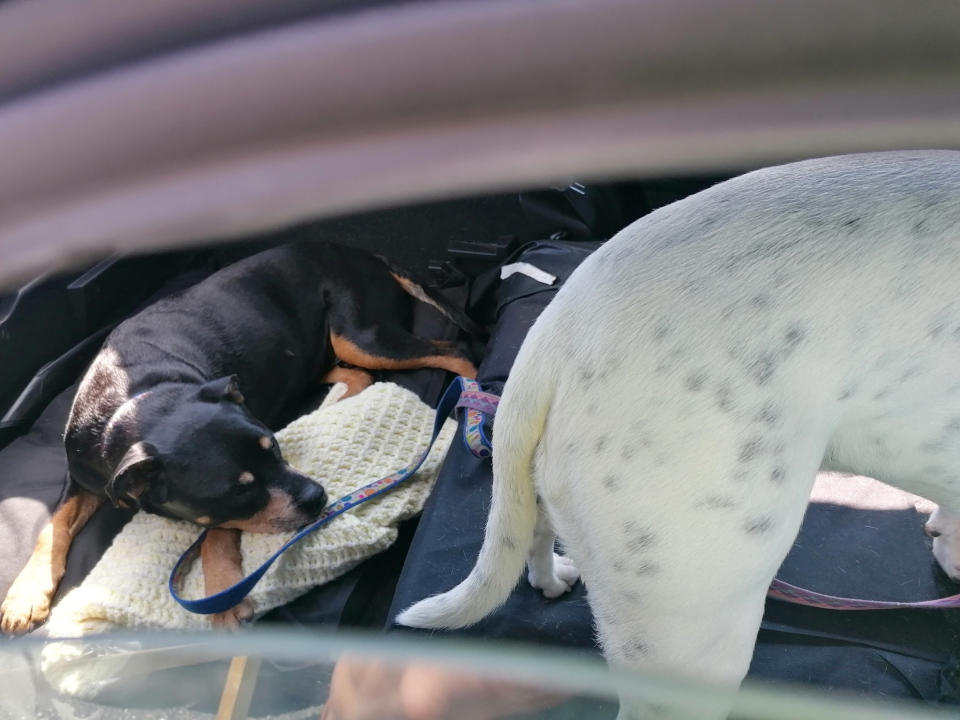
column 179, row 401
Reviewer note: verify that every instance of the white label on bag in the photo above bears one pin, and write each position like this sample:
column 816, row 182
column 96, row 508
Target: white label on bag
column 531, row 271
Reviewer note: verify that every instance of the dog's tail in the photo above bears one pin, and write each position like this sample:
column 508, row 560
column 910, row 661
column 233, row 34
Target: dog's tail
column 513, row 515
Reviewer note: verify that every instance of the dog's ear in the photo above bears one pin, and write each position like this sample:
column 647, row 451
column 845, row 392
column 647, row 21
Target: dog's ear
column 224, row 388
column 139, row 471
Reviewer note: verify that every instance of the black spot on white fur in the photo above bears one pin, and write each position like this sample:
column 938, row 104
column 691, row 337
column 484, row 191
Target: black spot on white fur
column 612, row 482
column 851, row 224
column 638, row 538
column 758, row 525
column 717, row 502
column 847, row 392
column 794, row 335
column 761, row 367
column 646, row 569
column 882, row 394
column 723, row 397
column 910, row 372
column 695, row 381
column 768, row 415
column 633, row 650
column 751, row 449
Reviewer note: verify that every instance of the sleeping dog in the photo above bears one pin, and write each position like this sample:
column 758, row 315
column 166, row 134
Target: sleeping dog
column 174, row 414
column 669, row 410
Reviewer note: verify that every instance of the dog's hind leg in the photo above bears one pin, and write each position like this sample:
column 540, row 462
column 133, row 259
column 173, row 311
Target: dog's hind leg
column 547, row 571
column 28, row 600
column 355, row 379
column 677, row 530
column 391, row 348
column 726, row 655
column 648, row 622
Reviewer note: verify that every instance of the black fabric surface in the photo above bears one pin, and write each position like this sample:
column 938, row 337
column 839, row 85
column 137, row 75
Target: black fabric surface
column 840, row 550
column 876, row 554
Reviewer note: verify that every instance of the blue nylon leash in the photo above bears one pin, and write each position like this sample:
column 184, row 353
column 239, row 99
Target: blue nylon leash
column 462, row 393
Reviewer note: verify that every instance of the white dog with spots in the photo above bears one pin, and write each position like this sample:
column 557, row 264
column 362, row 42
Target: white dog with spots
column 671, row 406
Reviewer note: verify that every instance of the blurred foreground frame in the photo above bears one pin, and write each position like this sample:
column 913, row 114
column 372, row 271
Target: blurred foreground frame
column 165, row 123
column 137, row 655
column 172, row 123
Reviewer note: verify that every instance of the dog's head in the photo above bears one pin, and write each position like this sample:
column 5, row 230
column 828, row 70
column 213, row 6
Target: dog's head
column 205, row 458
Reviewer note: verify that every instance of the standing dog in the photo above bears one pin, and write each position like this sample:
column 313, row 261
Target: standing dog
column 173, row 415
column 671, row 406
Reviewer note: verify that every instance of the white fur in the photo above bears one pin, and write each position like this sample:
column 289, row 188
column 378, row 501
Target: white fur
column 671, row 407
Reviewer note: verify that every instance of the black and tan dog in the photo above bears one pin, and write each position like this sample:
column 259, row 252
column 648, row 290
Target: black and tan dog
column 159, row 422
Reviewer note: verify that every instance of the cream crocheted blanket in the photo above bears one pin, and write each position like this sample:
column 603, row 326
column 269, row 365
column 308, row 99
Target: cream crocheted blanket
column 344, row 445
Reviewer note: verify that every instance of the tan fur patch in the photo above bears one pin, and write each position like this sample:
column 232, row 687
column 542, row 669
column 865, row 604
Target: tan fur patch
column 350, row 352
column 280, row 515
column 415, row 291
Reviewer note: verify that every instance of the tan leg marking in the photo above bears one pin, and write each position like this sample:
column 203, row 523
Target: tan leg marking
column 347, row 351
column 354, row 378
column 28, row 600
column 223, row 567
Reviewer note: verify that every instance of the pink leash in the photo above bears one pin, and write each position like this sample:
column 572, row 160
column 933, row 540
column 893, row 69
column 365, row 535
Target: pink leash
column 780, row 590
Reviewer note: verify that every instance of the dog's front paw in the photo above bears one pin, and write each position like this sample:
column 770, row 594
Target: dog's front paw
column 563, row 577
column 232, row 619
column 24, row 607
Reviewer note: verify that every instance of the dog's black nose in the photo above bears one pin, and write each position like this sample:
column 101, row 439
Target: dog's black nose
column 313, row 500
